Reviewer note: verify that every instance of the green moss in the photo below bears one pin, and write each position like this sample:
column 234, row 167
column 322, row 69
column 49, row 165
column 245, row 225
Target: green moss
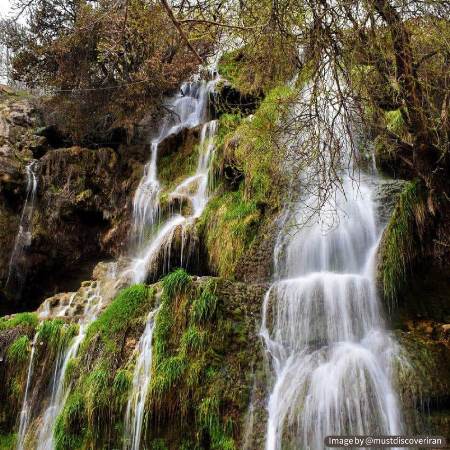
column 56, row 333
column 204, row 306
column 250, row 71
column 22, row 319
column 401, row 244
column 188, row 344
column 230, row 224
column 258, row 154
column 173, row 168
column 118, row 316
column 100, row 380
column 394, row 121
column 7, row 441
column 19, row 350
column 70, row 427
column 158, row 444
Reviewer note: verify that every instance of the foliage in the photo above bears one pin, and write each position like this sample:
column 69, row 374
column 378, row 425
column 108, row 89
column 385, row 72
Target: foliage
column 101, row 380
column 118, row 316
column 106, row 62
column 70, row 424
column 19, row 350
column 260, row 66
column 401, row 241
column 229, row 223
column 7, row 441
column 188, row 341
column 174, row 167
column 205, row 305
column 56, row 333
column 257, row 154
column 21, row 319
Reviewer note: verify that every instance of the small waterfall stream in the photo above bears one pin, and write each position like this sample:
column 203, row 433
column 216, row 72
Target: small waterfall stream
column 25, row 411
column 23, row 237
column 323, row 329
column 60, row 390
column 134, row 416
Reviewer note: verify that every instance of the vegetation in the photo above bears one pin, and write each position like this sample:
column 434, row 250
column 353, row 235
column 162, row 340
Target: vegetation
column 18, row 351
column 106, row 64
column 189, row 340
column 22, row 319
column 7, row 441
column 229, row 225
column 101, row 381
column 401, row 243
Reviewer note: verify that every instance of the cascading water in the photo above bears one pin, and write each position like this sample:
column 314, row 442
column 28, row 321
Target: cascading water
column 45, row 440
column 134, row 416
column 23, row 237
column 323, row 329
column 26, row 407
column 195, row 190
column 189, row 109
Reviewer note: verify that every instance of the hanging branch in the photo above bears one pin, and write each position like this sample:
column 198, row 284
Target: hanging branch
column 180, row 30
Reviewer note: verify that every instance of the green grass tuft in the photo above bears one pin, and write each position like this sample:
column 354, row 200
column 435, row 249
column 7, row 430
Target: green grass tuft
column 19, row 350
column 204, row 306
column 70, row 427
column 118, row 316
column 175, row 282
column 401, row 240
column 25, row 319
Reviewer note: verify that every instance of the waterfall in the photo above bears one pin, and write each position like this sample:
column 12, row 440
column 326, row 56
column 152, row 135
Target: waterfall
column 189, row 109
column 323, row 329
column 59, row 389
column 194, row 189
column 23, row 237
column 134, row 416
column 26, row 405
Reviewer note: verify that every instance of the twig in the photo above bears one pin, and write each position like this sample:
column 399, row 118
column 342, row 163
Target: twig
column 180, row 30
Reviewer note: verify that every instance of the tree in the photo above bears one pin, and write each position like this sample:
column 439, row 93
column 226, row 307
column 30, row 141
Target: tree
column 103, row 64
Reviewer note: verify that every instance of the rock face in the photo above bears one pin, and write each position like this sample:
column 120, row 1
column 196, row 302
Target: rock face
column 81, row 212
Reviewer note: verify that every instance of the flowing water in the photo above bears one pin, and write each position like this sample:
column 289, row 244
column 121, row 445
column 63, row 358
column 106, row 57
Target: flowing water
column 323, row 329
column 134, row 416
column 194, row 190
column 24, row 418
column 23, row 237
column 189, row 109
column 45, row 439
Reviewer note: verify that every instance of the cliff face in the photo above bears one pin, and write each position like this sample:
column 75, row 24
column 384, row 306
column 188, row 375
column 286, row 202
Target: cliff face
column 208, row 388
column 81, row 210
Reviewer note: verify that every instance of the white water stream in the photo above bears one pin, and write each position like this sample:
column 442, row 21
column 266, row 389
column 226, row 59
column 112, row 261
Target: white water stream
column 26, row 406
column 23, row 237
column 60, row 390
column 323, row 328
